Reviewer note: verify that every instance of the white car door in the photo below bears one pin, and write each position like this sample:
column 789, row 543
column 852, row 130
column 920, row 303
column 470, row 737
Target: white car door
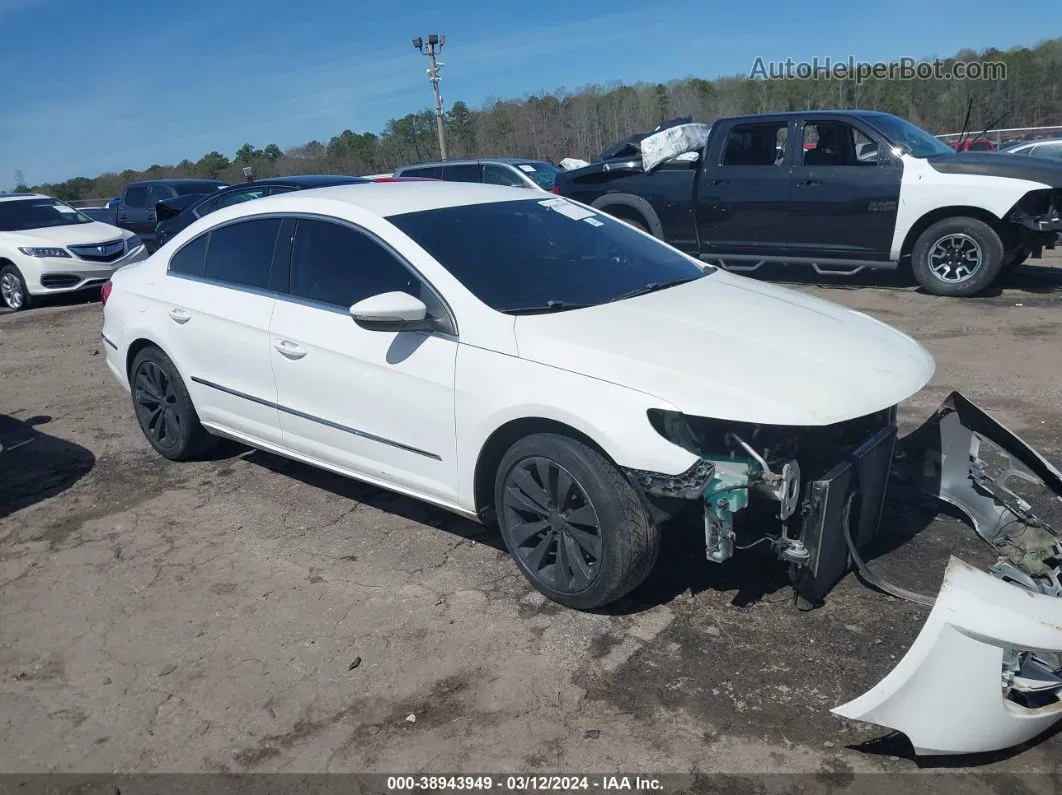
column 378, row 404
column 219, row 300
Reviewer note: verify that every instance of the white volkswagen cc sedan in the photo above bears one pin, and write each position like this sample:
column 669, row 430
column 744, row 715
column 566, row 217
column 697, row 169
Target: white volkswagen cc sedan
column 527, row 361
column 48, row 247
column 513, row 358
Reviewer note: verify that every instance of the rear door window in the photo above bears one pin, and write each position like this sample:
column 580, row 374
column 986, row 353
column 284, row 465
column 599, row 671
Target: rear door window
column 191, row 258
column 756, row 144
column 429, row 172
column 468, row 172
column 136, row 198
column 241, row 254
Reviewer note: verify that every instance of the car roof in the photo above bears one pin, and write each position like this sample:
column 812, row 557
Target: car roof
column 395, row 198
column 302, row 181
column 1035, row 142
column 6, row 197
column 177, row 181
column 471, row 162
column 800, row 114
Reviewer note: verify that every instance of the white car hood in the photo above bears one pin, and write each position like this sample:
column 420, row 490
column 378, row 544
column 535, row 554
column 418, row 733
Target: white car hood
column 72, row 235
column 732, row 348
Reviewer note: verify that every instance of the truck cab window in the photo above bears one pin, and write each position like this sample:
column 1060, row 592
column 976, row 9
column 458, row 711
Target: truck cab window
column 755, row 145
column 136, row 198
column 836, row 143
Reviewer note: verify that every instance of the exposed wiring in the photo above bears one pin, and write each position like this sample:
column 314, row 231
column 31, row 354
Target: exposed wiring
column 760, row 541
column 725, row 489
column 875, row 581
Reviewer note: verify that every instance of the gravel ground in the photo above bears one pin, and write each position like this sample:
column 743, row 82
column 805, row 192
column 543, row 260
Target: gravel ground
column 207, row 616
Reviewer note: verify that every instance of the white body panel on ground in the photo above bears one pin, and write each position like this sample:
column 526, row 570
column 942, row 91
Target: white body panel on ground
column 945, row 694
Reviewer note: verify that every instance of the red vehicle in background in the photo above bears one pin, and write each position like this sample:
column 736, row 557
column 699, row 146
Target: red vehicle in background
column 978, row 145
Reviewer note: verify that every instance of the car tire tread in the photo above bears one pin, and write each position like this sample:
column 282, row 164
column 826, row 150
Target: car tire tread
column 987, row 239
column 630, row 535
column 196, row 440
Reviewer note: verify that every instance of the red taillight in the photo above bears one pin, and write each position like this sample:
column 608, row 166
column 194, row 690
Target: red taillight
column 105, row 292
column 556, row 189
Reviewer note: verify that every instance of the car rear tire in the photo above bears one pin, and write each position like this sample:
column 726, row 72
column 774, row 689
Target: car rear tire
column 13, row 290
column 164, row 409
column 576, row 527
column 957, row 257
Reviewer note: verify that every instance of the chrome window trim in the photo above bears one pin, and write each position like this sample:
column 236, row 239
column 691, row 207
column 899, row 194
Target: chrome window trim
column 287, row 296
column 328, row 423
column 242, row 288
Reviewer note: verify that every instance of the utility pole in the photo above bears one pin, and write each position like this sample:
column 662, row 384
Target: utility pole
column 431, row 47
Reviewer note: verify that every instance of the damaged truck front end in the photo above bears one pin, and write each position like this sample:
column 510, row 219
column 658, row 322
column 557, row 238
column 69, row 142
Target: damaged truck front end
column 1037, row 220
column 985, row 672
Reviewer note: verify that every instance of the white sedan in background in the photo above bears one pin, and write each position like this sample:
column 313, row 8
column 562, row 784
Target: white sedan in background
column 535, row 364
column 47, row 247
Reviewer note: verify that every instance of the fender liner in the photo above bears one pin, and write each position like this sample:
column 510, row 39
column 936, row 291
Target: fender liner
column 635, row 203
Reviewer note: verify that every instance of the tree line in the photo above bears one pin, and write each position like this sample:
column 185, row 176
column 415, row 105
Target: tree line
column 580, row 123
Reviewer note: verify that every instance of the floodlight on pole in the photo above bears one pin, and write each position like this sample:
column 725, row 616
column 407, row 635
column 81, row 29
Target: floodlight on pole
column 431, row 48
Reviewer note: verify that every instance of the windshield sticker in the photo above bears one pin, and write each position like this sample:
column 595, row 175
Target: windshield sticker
column 593, row 222
column 565, row 208
column 527, row 168
column 67, row 210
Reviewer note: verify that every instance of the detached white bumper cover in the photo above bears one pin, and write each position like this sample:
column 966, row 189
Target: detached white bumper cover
column 985, row 672
column 946, row 693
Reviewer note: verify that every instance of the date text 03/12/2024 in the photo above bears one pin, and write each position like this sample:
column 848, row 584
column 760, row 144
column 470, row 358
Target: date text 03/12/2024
column 518, row 783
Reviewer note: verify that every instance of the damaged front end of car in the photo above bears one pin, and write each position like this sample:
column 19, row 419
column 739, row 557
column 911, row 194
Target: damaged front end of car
column 985, row 673
column 809, row 482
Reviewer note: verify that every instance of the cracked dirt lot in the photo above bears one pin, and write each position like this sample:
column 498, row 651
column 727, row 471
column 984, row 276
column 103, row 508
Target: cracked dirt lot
column 205, row 616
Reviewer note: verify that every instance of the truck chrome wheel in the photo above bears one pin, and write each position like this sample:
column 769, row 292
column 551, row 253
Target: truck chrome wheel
column 955, row 258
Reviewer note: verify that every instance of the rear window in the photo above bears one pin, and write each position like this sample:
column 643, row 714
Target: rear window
column 184, row 188
column 429, row 172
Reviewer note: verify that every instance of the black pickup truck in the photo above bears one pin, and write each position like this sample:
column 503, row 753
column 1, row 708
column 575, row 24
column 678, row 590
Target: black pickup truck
column 837, row 190
column 136, row 209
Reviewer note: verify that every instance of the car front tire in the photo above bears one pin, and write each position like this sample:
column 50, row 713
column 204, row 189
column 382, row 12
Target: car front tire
column 957, row 257
column 13, row 290
column 575, row 526
column 164, row 409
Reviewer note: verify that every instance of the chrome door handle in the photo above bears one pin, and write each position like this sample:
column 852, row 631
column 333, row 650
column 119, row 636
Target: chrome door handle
column 179, row 316
column 289, row 349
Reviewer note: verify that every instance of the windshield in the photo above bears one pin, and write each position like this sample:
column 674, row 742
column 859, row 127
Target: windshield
column 185, row 188
column 543, row 174
column 544, row 255
column 915, row 140
column 19, row 215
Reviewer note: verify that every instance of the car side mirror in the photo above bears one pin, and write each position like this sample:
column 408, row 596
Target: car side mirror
column 394, row 311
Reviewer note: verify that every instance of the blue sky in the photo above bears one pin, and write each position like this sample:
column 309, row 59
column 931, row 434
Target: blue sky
column 93, row 85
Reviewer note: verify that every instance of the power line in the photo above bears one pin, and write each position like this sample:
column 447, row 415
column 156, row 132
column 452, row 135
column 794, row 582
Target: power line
column 431, row 47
